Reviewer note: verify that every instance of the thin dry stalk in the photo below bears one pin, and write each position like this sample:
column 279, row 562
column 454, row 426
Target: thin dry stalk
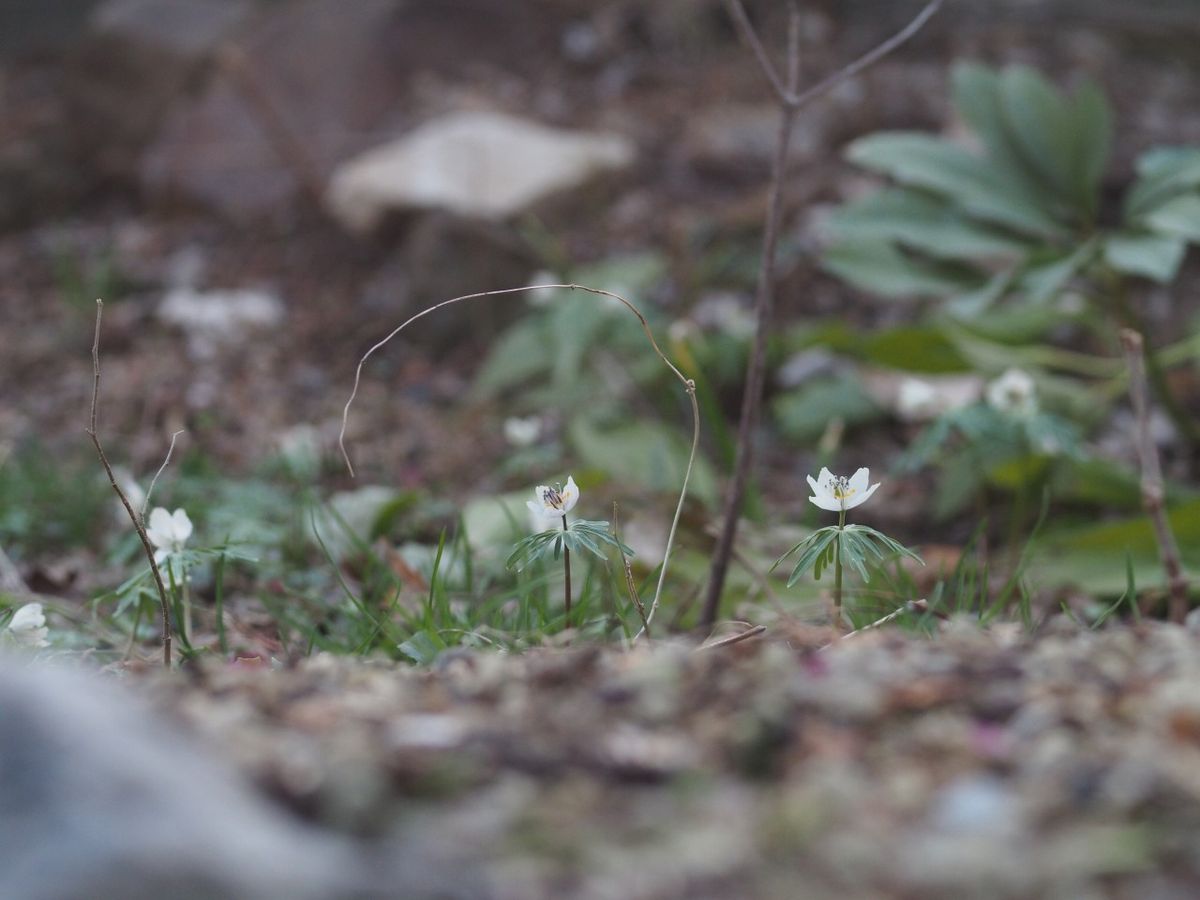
column 164, row 603
column 1153, row 492
column 917, row 606
column 752, row 632
column 154, row 481
column 791, row 100
column 629, row 583
column 688, row 384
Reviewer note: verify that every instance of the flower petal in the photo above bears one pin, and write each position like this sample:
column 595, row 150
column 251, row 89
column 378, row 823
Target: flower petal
column 570, row 494
column 181, row 526
column 813, row 484
column 861, row 497
column 858, row 481
column 27, row 618
column 159, row 529
column 826, row 501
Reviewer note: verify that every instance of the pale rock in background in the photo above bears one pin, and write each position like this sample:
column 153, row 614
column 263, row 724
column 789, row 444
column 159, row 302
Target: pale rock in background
column 481, row 164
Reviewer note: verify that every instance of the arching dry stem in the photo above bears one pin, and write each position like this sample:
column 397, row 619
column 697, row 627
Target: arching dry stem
column 688, row 384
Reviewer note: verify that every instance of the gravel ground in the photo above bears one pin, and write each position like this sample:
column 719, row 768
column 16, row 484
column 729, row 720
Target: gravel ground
column 977, row 763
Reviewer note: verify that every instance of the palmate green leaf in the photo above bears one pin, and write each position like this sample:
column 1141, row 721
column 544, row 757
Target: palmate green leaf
column 1152, row 256
column 861, row 545
column 979, row 188
column 811, row 551
column 581, row 535
column 534, row 547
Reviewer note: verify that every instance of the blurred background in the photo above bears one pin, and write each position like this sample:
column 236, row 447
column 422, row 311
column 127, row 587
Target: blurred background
column 261, row 189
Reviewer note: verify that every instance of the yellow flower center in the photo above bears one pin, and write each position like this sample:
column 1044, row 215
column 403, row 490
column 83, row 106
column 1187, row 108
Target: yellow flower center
column 840, row 488
column 552, row 497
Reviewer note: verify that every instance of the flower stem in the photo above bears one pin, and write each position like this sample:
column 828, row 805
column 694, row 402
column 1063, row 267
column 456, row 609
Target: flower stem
column 837, row 572
column 567, row 573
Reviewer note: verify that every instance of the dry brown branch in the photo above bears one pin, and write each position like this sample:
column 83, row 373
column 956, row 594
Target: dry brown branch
column 791, row 100
column 688, row 384
column 112, row 480
column 1153, row 493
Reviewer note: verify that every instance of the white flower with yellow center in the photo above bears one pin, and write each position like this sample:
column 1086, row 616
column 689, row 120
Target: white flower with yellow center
column 28, row 626
column 837, row 493
column 554, row 502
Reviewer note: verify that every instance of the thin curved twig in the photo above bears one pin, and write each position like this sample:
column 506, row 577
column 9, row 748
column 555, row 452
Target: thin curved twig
column 164, row 603
column 153, row 481
column 688, row 384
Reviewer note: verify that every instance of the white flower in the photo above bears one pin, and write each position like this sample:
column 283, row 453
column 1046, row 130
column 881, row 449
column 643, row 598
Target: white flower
column 837, row 492
column 168, row 531
column 522, row 432
column 1013, row 393
column 554, row 503
column 28, row 626
column 917, row 400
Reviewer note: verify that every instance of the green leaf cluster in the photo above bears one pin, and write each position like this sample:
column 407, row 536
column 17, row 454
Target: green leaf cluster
column 579, row 536
column 1021, row 215
column 856, row 545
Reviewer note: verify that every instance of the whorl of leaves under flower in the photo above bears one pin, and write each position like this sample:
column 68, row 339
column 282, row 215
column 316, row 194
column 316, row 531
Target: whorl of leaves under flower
column 860, row 545
column 579, row 536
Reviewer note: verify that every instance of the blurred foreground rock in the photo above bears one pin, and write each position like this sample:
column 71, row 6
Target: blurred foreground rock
column 101, row 799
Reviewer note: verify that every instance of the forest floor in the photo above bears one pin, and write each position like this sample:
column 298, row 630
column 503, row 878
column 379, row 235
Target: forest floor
column 977, row 764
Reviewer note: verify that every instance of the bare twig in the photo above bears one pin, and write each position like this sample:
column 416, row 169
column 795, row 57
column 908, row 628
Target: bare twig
column 1153, row 493
column 751, row 632
column 629, row 584
column 112, row 479
column 153, row 481
column 791, row 100
column 688, row 384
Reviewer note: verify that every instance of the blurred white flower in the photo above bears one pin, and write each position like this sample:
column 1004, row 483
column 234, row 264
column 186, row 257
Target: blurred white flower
column 167, row 531
column 553, row 503
column 28, row 626
column 837, row 492
column 522, row 432
column 917, row 400
column 1013, row 393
